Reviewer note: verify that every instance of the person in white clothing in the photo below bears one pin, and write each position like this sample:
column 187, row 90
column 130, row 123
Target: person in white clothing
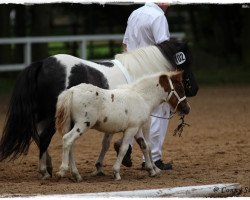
column 148, row 26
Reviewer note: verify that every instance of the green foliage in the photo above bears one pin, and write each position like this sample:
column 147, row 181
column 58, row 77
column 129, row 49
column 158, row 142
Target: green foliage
column 7, row 81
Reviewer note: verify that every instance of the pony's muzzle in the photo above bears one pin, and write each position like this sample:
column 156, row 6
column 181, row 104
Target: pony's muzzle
column 184, row 108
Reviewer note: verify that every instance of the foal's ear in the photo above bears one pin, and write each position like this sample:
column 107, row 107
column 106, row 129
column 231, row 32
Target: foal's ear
column 177, row 76
column 163, row 80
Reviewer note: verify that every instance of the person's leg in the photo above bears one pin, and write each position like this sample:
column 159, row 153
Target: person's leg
column 158, row 130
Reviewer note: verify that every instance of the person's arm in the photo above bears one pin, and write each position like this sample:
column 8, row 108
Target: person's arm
column 160, row 29
column 124, row 47
column 125, row 40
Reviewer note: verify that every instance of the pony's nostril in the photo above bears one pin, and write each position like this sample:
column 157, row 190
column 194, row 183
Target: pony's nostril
column 184, row 109
column 187, row 110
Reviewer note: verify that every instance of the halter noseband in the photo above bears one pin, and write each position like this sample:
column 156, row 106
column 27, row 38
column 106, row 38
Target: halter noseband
column 175, row 93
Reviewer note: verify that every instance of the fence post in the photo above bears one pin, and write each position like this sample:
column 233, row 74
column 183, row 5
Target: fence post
column 27, row 53
column 83, row 49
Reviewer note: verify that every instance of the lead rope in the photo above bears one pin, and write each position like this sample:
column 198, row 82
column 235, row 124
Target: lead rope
column 180, row 127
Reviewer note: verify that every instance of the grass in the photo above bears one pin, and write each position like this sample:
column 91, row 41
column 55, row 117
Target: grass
column 95, row 50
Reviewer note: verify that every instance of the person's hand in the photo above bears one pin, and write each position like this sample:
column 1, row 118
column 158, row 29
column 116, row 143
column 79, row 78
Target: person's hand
column 124, row 47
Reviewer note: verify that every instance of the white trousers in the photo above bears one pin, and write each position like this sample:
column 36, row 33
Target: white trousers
column 158, row 129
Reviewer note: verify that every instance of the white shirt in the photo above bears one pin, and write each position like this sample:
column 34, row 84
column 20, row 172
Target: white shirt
column 146, row 26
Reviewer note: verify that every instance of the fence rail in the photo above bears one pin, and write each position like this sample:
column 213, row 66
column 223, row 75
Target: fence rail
column 82, row 39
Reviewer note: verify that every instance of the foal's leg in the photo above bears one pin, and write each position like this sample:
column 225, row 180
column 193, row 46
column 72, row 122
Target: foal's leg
column 105, row 146
column 73, row 167
column 68, row 140
column 127, row 138
column 145, row 130
column 145, row 150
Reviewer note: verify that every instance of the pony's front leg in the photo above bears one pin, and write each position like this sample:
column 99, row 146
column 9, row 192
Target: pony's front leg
column 105, row 146
column 127, row 138
column 45, row 132
column 45, row 165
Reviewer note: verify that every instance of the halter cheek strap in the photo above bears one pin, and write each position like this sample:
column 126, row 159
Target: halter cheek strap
column 175, row 93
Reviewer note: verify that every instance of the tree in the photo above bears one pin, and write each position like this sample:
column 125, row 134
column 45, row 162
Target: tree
column 5, row 50
column 19, row 30
column 245, row 40
column 40, row 26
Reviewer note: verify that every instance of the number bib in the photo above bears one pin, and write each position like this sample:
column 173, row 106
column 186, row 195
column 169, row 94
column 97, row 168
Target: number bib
column 180, row 58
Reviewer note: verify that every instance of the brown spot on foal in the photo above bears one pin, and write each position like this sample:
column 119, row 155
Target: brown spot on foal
column 60, row 120
column 112, row 97
column 141, row 143
column 105, row 119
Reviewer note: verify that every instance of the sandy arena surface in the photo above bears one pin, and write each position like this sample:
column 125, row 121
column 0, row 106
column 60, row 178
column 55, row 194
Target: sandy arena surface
column 214, row 149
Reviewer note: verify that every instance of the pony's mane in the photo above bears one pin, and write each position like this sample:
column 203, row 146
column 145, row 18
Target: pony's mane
column 155, row 58
column 148, row 58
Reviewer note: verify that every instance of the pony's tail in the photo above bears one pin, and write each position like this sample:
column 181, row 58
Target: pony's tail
column 63, row 112
column 20, row 124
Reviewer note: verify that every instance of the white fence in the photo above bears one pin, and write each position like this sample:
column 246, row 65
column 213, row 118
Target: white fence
column 82, row 39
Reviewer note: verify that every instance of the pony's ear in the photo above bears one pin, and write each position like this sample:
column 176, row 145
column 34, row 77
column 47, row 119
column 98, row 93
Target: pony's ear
column 177, row 76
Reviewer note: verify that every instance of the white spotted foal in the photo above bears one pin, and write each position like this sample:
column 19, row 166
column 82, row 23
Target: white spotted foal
column 126, row 109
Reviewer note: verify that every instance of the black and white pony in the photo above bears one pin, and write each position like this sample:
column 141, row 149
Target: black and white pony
column 33, row 102
column 126, row 109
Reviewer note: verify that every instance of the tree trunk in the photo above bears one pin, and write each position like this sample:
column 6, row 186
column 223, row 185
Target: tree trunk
column 5, row 50
column 245, row 39
column 20, row 31
column 40, row 26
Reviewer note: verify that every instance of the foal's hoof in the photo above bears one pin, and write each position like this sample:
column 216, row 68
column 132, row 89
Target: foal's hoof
column 117, row 177
column 152, row 173
column 58, row 176
column 77, row 177
column 46, row 176
column 157, row 170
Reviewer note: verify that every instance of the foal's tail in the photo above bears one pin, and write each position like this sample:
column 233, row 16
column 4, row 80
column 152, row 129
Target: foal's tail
column 63, row 112
column 20, row 126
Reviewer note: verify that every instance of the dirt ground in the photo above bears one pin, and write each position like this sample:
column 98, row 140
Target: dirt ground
column 214, row 149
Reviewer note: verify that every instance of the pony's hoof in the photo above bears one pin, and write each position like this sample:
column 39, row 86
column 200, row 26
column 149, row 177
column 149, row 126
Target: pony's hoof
column 100, row 174
column 50, row 170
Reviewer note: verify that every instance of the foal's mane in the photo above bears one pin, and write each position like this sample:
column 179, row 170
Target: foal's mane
column 146, row 79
